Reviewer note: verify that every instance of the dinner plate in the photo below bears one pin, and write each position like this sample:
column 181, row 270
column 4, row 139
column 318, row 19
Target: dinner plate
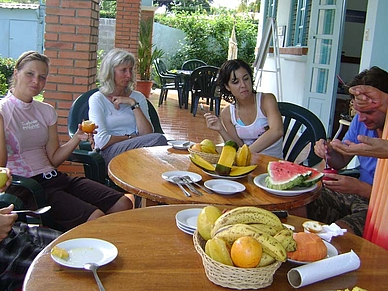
column 260, row 182
column 86, row 250
column 331, row 252
column 179, row 144
column 169, row 175
column 223, row 186
column 214, row 175
column 185, row 230
column 188, row 217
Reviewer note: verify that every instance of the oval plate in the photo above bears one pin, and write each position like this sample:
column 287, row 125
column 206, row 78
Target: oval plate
column 260, row 182
column 331, row 252
column 223, row 186
column 180, row 144
column 188, row 217
column 86, row 250
column 169, row 175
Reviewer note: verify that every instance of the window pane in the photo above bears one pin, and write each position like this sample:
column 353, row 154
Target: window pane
column 325, row 16
column 319, row 80
column 322, row 51
column 327, row 2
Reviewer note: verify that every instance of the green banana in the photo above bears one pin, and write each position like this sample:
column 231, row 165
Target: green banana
column 266, row 260
column 247, row 214
column 269, row 244
column 271, row 230
column 285, row 237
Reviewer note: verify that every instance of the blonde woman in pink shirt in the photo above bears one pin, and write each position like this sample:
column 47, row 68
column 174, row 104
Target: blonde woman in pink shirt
column 31, row 136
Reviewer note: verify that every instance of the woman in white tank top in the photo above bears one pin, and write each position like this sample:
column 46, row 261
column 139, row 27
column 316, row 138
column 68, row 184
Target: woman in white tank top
column 251, row 118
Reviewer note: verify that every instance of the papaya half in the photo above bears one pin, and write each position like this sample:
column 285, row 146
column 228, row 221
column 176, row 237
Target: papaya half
column 227, row 158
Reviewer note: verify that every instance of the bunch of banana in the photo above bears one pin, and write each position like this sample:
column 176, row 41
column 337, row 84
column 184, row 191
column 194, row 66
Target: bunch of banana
column 275, row 239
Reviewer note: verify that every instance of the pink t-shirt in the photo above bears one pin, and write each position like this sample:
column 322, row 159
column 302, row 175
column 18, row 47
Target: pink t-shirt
column 26, row 135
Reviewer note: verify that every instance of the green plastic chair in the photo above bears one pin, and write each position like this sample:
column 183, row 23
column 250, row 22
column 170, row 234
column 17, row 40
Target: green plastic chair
column 301, row 128
column 191, row 65
column 93, row 162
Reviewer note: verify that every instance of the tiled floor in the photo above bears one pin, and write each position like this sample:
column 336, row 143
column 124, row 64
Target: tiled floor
column 180, row 123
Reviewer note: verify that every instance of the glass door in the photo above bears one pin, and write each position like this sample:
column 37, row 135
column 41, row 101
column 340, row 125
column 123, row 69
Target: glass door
column 323, row 60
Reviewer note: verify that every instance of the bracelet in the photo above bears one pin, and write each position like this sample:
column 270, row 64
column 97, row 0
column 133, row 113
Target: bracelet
column 137, row 105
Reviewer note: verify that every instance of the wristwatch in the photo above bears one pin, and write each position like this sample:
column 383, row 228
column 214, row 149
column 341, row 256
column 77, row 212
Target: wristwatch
column 137, row 105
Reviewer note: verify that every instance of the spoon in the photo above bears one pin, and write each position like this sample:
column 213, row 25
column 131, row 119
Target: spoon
column 93, row 267
column 38, row 211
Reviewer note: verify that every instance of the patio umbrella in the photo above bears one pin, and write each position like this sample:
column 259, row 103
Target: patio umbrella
column 232, row 51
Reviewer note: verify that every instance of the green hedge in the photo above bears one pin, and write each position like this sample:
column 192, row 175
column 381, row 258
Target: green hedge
column 207, row 36
column 6, row 70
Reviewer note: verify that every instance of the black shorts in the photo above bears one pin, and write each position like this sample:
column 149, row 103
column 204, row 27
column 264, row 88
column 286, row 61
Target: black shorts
column 72, row 199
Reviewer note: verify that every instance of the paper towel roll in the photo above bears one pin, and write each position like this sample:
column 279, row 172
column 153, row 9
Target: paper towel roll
column 323, row 269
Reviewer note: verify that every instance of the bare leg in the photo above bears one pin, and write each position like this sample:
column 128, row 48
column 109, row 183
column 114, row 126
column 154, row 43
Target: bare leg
column 96, row 214
column 124, row 203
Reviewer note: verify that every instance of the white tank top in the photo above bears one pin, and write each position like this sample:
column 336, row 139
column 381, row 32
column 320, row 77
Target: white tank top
column 249, row 133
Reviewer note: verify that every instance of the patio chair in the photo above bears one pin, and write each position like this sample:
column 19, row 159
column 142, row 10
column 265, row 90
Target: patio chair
column 203, row 85
column 168, row 81
column 93, row 162
column 191, row 65
column 302, row 128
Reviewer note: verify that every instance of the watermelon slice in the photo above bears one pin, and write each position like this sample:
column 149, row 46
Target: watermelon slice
column 283, row 175
column 314, row 178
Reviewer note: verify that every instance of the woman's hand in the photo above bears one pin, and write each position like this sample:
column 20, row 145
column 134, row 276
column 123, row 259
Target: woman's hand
column 7, row 220
column 117, row 100
column 213, row 122
column 83, row 136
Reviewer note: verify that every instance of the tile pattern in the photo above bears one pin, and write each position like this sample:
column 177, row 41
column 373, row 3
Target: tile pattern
column 180, row 123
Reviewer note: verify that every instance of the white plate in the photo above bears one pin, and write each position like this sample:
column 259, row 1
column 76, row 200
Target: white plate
column 178, row 144
column 185, row 230
column 191, row 229
column 214, row 175
column 169, row 175
column 188, row 217
column 331, row 252
column 86, row 250
column 260, row 182
column 226, row 187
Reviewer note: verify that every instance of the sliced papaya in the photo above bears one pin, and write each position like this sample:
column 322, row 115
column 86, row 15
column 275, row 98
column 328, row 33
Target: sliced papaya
column 227, row 157
column 239, row 171
column 202, row 163
column 243, row 156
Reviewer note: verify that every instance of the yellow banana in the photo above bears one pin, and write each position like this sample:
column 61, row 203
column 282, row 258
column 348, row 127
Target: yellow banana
column 285, row 237
column 247, row 214
column 269, row 244
column 266, row 260
column 271, row 230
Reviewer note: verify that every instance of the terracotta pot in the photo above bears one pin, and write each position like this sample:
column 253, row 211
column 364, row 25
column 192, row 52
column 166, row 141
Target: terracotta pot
column 144, row 87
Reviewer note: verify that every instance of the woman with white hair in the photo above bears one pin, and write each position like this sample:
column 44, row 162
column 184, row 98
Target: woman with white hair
column 120, row 112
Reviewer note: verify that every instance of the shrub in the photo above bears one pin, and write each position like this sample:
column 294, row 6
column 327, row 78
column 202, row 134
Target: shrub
column 7, row 66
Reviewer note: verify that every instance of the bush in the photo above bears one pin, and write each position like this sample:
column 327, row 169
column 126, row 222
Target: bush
column 207, row 36
column 7, row 66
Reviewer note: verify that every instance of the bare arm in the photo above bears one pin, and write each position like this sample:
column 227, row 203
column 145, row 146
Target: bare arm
column 368, row 146
column 58, row 154
column 347, row 185
column 270, row 109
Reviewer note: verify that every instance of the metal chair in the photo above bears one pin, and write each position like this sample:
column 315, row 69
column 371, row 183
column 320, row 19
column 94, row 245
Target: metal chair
column 191, row 65
column 302, row 128
column 203, row 84
column 168, row 81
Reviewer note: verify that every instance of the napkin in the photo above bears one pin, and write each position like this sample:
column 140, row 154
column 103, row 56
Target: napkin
column 329, row 231
column 323, row 269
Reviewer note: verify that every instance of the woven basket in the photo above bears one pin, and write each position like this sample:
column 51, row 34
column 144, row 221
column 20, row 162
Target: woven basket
column 211, row 158
column 233, row 277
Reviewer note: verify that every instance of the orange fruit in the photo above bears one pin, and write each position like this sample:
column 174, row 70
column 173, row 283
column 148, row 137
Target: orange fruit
column 88, row 126
column 246, row 252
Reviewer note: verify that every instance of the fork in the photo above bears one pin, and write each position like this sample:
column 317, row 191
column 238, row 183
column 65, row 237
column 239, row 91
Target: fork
column 198, row 185
column 178, row 181
column 187, row 183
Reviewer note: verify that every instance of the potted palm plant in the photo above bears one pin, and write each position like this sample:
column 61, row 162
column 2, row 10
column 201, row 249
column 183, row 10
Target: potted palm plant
column 147, row 53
